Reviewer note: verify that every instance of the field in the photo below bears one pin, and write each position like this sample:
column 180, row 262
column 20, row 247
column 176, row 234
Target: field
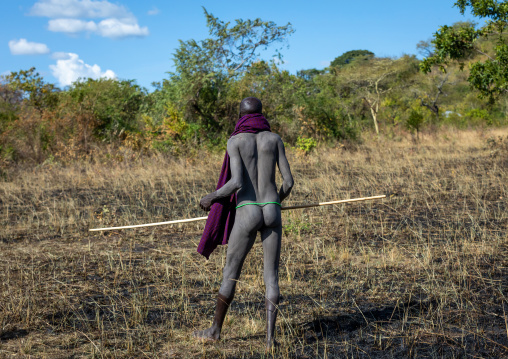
column 423, row 273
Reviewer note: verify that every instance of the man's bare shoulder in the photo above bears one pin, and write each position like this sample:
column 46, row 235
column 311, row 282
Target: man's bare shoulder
column 266, row 135
column 237, row 139
column 235, row 142
column 270, row 136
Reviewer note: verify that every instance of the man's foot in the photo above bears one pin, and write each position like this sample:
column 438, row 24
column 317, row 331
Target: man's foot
column 210, row 334
column 213, row 333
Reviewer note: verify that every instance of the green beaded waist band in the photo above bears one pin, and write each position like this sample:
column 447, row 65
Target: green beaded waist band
column 258, row 204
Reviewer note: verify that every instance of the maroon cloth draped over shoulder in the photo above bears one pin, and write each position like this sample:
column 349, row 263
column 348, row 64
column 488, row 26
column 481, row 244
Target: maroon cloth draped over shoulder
column 222, row 213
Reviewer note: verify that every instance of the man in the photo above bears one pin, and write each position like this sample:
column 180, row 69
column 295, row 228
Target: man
column 253, row 152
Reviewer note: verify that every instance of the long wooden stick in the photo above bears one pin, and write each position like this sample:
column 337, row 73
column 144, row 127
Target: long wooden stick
column 203, row 218
column 151, row 224
column 333, row 202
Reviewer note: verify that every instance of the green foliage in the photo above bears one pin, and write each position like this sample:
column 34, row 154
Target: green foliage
column 306, row 144
column 37, row 93
column 112, row 106
column 478, row 115
column 233, row 49
column 27, row 125
column 8, row 152
column 488, row 75
column 329, row 109
column 281, row 93
column 415, row 121
column 10, row 102
column 362, row 87
column 491, row 76
column 451, row 43
column 171, row 133
column 351, row 56
column 206, row 69
column 493, row 9
column 298, row 225
column 309, row 74
column 197, row 105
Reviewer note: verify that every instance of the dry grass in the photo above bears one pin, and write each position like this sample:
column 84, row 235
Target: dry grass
column 422, row 274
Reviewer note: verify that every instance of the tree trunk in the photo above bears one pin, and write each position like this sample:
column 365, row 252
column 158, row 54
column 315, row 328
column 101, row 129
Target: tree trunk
column 374, row 117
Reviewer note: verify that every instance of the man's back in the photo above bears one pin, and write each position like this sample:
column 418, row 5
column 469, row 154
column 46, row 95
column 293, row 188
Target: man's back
column 259, row 154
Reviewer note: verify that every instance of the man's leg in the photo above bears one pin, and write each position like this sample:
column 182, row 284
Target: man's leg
column 240, row 243
column 271, row 237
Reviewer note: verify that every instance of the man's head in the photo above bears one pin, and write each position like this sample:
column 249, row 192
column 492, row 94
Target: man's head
column 250, row 105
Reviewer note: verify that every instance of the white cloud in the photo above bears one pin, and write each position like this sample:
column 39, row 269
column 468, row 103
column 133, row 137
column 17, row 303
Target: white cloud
column 71, row 26
column 78, row 9
column 324, row 63
column 71, row 17
column 70, row 69
column 24, row 47
column 112, row 28
column 154, row 11
column 118, row 28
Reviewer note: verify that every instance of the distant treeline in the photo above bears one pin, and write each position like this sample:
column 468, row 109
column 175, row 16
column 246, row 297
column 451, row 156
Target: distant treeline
column 197, row 105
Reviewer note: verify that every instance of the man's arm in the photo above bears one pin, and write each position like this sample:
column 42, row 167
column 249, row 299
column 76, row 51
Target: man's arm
column 234, row 183
column 285, row 171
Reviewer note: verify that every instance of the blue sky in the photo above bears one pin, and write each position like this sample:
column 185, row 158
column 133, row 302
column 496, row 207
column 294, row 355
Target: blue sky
column 128, row 39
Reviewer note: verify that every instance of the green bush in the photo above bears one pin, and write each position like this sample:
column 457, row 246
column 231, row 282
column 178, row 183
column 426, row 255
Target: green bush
column 306, row 144
column 115, row 105
column 415, row 121
column 477, row 116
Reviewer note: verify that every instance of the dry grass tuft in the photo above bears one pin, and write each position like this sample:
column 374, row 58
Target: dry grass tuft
column 421, row 274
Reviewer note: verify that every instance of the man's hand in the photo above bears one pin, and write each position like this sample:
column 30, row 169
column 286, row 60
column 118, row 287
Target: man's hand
column 206, row 202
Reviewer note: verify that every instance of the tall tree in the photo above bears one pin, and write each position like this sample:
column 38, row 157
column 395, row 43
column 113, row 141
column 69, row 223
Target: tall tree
column 233, row 49
column 425, row 48
column 204, row 69
column 36, row 92
column 372, row 81
column 489, row 75
column 39, row 100
column 430, row 95
column 350, row 56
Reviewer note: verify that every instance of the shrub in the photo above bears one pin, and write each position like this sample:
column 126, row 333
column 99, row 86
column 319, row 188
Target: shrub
column 306, row 144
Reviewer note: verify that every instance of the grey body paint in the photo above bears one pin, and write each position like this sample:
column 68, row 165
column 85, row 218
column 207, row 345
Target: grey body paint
column 253, row 161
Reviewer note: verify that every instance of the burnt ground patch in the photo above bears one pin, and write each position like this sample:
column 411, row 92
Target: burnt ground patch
column 13, row 334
